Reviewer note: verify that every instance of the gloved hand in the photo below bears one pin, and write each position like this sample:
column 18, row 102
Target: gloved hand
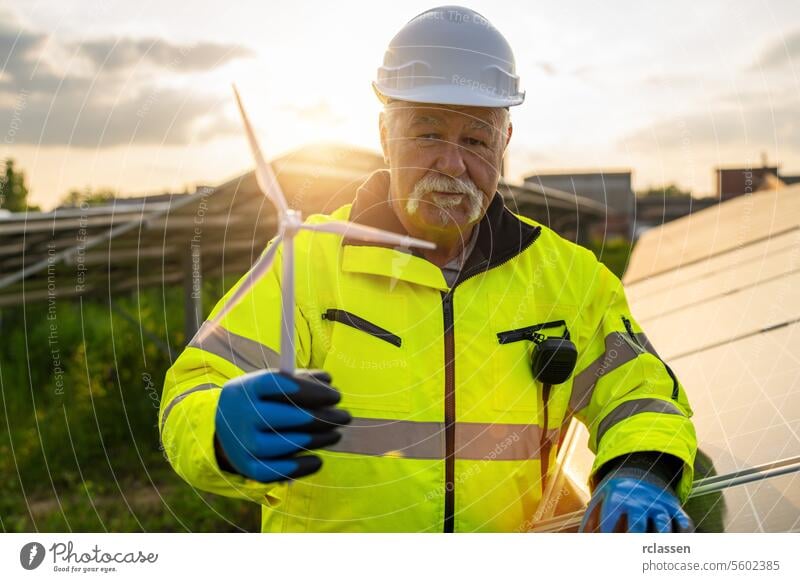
column 642, row 503
column 264, row 418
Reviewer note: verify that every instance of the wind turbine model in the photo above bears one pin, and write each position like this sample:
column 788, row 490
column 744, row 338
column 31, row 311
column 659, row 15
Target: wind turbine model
column 290, row 223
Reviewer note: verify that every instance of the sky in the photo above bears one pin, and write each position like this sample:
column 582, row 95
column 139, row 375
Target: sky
column 135, row 96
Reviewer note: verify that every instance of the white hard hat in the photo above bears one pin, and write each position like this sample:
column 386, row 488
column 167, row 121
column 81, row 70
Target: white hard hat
column 450, row 55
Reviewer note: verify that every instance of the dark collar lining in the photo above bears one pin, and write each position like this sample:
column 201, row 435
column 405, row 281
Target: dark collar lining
column 501, row 236
column 372, row 207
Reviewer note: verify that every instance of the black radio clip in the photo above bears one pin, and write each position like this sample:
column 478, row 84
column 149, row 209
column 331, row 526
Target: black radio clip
column 553, row 358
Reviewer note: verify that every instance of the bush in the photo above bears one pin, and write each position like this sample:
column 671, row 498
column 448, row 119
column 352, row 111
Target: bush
column 614, row 254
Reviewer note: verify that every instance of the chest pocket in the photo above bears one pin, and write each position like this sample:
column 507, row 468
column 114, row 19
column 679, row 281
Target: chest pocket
column 515, row 391
column 367, row 358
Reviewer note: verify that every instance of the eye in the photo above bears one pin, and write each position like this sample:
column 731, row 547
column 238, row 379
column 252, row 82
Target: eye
column 473, row 141
column 428, row 139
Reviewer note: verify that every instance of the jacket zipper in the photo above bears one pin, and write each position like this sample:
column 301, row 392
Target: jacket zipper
column 518, row 335
column 527, row 333
column 627, row 323
column 675, row 386
column 450, row 387
column 362, row 324
column 449, row 413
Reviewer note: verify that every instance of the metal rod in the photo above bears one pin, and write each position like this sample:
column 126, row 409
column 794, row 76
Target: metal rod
column 192, row 292
column 701, row 487
column 287, row 355
column 718, row 483
column 140, row 325
column 741, row 472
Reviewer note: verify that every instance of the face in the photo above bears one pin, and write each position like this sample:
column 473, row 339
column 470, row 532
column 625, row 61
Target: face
column 445, row 164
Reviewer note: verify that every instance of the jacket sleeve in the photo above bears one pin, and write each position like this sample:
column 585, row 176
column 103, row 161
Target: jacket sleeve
column 628, row 398
column 248, row 339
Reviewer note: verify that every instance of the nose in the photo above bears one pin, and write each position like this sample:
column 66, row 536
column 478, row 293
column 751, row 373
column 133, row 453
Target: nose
column 450, row 160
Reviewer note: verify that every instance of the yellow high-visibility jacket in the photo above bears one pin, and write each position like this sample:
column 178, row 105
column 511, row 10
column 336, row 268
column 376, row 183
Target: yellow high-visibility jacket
column 448, row 419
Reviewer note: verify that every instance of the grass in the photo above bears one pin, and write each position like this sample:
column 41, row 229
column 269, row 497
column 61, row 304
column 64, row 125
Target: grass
column 130, row 506
column 79, row 445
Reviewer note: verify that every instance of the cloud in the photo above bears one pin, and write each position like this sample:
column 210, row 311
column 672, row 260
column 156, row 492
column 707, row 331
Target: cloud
column 113, row 55
column 756, row 122
column 21, row 49
column 56, row 92
column 162, row 117
column 779, row 53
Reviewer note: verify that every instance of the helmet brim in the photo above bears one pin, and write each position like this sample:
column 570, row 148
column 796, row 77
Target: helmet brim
column 448, row 95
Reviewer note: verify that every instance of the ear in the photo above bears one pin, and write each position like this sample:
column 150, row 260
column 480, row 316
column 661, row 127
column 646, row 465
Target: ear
column 508, row 135
column 384, row 133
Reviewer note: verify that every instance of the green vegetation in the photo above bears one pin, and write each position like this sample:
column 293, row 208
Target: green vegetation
column 75, row 198
column 79, row 445
column 668, row 190
column 614, row 253
column 13, row 191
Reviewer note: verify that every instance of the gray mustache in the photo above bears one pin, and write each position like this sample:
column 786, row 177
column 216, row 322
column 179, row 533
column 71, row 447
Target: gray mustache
column 444, row 184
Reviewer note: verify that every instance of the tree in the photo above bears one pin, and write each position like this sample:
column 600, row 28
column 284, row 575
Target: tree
column 75, row 198
column 666, row 191
column 13, row 191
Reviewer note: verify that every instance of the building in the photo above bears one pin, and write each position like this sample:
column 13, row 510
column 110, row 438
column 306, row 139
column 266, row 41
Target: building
column 733, row 182
column 654, row 210
column 612, row 189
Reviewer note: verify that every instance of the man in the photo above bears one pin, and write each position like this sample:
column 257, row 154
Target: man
column 451, row 414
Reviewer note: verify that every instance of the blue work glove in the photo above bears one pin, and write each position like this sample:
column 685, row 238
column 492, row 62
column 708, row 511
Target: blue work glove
column 631, row 500
column 266, row 417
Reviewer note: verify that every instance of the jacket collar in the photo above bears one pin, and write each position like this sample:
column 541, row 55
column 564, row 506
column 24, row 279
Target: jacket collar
column 501, row 236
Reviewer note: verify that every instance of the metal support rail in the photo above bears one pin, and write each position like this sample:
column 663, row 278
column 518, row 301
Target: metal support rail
column 701, row 487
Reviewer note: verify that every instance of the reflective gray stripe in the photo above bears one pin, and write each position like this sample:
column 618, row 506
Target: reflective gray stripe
column 632, row 407
column 386, row 437
column 425, row 440
column 180, row 397
column 498, row 442
column 247, row 354
column 619, row 351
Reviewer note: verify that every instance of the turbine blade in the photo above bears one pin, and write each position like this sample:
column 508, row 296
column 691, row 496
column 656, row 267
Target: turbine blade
column 368, row 233
column 264, row 175
column 259, row 269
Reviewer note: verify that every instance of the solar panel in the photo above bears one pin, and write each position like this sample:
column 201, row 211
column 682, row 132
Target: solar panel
column 717, row 295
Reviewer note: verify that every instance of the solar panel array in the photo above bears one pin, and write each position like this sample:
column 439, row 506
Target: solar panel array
column 718, row 294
